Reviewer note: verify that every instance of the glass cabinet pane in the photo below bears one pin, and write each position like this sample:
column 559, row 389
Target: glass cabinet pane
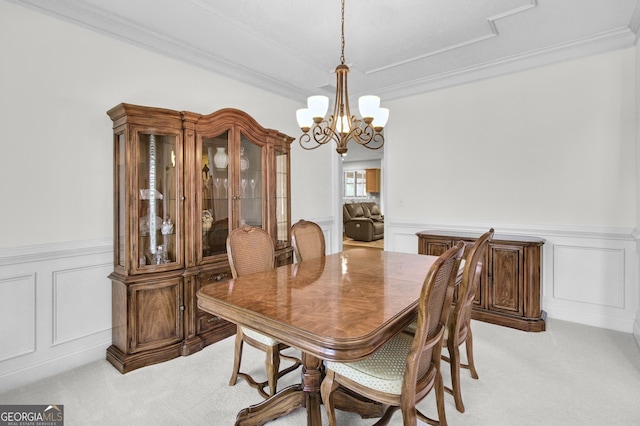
column 215, row 194
column 251, row 190
column 282, row 197
column 121, row 199
column 157, row 199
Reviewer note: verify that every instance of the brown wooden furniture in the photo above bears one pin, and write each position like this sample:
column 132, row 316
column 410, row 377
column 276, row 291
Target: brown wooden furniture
column 509, row 291
column 307, row 239
column 250, row 250
column 340, row 307
column 182, row 181
column 372, row 180
column 404, row 370
column 459, row 324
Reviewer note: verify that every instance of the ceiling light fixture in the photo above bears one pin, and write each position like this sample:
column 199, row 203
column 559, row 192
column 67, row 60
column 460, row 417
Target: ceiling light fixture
column 341, row 126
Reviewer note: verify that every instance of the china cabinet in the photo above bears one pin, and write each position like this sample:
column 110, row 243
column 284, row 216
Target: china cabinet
column 509, row 292
column 182, row 181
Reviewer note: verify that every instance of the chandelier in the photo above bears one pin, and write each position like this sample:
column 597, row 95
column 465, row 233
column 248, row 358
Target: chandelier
column 341, row 126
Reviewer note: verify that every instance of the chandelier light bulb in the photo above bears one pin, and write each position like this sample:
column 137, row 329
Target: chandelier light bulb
column 368, row 106
column 318, row 106
column 342, row 125
column 380, row 118
column 305, row 119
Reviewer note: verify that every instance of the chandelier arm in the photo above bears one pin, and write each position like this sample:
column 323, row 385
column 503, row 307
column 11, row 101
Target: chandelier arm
column 364, row 134
column 305, row 138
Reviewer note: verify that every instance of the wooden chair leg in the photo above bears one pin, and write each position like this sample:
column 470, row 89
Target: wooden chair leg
column 454, row 362
column 328, row 386
column 409, row 415
column 469, row 346
column 439, row 388
column 272, row 365
column 237, row 357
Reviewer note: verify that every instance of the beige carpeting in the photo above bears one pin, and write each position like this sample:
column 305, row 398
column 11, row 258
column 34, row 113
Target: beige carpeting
column 569, row 375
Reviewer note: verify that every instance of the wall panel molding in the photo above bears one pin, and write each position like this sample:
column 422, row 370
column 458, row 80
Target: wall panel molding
column 71, row 320
column 17, row 316
column 578, row 271
column 58, row 298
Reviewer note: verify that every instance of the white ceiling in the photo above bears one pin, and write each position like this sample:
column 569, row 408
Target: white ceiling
column 393, row 48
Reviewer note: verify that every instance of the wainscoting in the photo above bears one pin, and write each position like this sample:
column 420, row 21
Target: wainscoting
column 55, row 300
column 589, row 276
column 55, row 309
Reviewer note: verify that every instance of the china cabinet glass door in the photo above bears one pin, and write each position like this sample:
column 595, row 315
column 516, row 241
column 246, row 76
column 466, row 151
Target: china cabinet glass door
column 157, row 200
column 251, row 177
column 216, row 191
column 282, row 197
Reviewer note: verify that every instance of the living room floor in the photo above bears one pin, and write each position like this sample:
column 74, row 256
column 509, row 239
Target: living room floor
column 348, row 242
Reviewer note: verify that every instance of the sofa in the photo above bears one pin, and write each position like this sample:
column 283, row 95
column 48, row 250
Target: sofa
column 363, row 221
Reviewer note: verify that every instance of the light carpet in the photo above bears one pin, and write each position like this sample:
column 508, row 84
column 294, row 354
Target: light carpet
column 570, row 374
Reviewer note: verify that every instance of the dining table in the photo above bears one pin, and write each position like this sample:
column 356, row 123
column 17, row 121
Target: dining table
column 340, row 307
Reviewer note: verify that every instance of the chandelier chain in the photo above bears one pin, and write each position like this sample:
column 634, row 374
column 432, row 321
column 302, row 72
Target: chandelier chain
column 342, row 39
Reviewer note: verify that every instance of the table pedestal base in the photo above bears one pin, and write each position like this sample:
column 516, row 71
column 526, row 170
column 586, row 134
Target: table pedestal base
column 306, row 395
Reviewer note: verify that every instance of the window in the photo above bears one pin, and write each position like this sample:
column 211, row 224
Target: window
column 354, row 183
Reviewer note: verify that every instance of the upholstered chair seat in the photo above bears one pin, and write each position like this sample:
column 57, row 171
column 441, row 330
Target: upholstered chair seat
column 383, row 371
column 262, row 338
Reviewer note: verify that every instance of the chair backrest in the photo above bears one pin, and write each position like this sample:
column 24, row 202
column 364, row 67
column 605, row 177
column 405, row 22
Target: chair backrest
column 423, row 360
column 460, row 318
column 307, row 239
column 250, row 250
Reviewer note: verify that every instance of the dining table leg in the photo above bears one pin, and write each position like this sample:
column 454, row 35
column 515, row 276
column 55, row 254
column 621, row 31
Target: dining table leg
column 303, row 395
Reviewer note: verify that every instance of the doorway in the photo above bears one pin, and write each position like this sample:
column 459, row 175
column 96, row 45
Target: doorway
column 352, row 171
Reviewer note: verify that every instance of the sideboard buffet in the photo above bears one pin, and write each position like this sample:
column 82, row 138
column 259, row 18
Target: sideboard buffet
column 509, row 292
column 182, row 182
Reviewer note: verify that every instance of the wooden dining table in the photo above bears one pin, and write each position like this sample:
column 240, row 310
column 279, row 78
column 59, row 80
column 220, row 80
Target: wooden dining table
column 341, row 307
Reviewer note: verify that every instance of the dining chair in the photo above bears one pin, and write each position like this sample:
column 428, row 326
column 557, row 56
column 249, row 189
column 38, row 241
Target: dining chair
column 459, row 324
column 406, row 368
column 250, row 250
column 307, row 239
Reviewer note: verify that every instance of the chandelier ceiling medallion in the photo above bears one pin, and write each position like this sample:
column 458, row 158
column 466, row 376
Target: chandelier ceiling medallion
column 341, row 126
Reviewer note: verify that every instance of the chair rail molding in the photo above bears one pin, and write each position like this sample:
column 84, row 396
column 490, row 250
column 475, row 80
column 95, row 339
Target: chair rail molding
column 589, row 275
column 58, row 299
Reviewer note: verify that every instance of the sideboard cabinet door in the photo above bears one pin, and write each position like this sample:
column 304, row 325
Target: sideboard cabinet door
column 505, row 279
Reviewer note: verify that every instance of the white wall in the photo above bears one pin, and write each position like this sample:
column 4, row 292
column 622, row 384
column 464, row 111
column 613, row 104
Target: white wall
column 553, row 145
column 549, row 152
column 636, row 327
column 57, row 81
